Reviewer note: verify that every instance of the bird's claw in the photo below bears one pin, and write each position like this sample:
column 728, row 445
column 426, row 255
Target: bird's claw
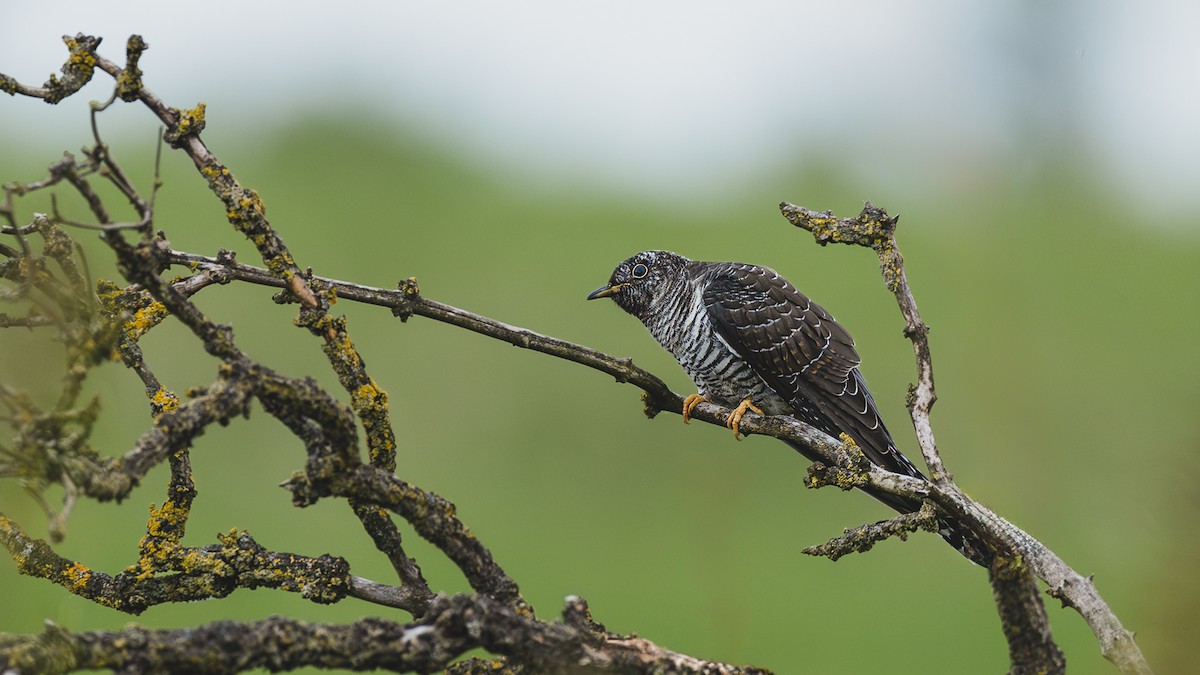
column 689, row 404
column 735, row 418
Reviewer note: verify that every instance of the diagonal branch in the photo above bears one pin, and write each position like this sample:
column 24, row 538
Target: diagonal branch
column 875, row 229
column 658, row 397
column 244, row 209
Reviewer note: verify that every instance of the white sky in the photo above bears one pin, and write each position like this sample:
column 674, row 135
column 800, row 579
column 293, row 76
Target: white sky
column 678, row 97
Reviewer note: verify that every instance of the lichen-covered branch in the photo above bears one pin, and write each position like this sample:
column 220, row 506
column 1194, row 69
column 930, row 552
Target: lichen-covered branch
column 244, row 208
column 864, row 537
column 76, row 72
column 247, row 214
column 1031, row 650
column 875, row 229
column 215, row 571
column 453, row 626
column 105, row 323
column 326, row 427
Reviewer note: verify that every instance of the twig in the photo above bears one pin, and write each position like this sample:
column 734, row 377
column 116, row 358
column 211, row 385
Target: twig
column 76, row 72
column 864, row 537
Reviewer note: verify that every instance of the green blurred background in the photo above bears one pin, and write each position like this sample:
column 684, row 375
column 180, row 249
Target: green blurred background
column 1063, row 308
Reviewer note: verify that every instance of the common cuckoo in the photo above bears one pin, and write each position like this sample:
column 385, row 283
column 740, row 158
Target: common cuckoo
column 751, row 341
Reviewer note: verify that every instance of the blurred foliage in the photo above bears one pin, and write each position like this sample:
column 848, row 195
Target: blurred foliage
column 1064, row 341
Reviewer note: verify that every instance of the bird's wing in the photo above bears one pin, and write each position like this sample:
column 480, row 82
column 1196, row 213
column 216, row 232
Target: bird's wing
column 802, row 353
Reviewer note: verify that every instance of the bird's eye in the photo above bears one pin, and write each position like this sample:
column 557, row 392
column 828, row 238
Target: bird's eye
column 639, row 271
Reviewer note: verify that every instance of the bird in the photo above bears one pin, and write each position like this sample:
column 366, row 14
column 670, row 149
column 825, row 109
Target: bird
column 751, row 341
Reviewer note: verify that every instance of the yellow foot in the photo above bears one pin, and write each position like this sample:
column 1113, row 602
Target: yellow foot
column 689, row 404
column 735, row 418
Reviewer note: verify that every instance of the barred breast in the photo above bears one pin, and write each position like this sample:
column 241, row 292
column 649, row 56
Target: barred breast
column 680, row 323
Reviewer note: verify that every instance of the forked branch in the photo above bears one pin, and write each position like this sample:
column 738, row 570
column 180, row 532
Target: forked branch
column 875, row 229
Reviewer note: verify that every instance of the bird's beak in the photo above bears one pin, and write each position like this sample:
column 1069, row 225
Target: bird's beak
column 605, row 292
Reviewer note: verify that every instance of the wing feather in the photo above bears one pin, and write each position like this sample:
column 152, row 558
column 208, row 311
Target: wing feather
column 802, row 353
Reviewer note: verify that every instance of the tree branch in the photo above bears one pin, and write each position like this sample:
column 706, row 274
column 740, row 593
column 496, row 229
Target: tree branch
column 453, row 626
column 496, row 617
column 76, row 72
column 875, row 229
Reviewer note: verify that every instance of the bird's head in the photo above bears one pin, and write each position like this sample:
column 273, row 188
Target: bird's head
column 639, row 282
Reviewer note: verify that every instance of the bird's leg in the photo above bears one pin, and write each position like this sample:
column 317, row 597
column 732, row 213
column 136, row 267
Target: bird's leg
column 735, row 418
column 689, row 404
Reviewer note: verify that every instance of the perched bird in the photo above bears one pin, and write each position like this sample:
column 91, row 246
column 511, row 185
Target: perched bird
column 751, row 341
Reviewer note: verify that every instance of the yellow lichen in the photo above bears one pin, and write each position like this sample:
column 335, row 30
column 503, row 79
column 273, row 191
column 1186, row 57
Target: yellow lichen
column 75, row 577
column 144, row 319
column 370, row 395
column 167, row 522
column 192, row 121
column 163, row 400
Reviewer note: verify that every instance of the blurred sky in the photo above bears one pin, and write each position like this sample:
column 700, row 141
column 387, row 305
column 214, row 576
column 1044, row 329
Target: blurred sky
column 675, row 99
